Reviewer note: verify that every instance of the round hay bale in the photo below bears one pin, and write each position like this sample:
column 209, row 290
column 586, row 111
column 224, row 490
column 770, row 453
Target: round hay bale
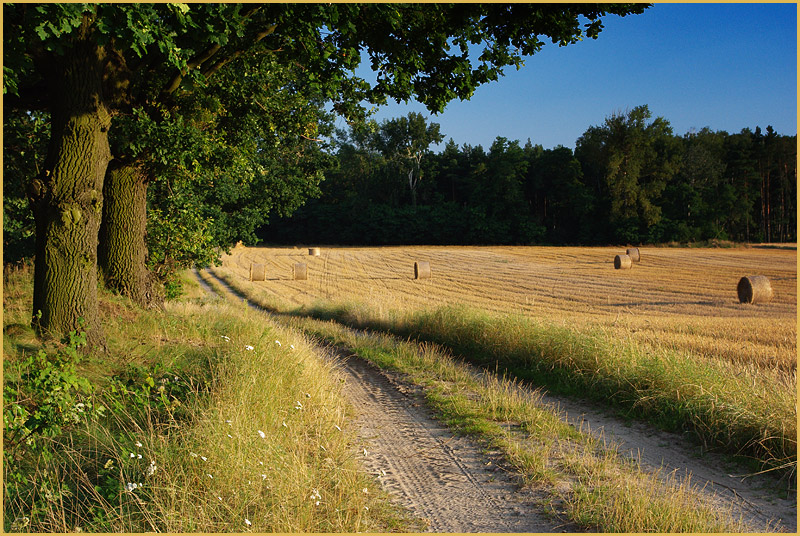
column 422, row 270
column 258, row 272
column 300, row 271
column 314, row 252
column 754, row 289
column 622, row 262
column 633, row 253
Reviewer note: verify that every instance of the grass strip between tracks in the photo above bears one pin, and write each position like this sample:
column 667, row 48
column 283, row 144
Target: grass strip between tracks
column 587, row 482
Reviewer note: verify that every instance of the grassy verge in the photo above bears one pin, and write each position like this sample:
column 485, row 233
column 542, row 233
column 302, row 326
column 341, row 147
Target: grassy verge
column 588, row 483
column 204, row 418
column 743, row 412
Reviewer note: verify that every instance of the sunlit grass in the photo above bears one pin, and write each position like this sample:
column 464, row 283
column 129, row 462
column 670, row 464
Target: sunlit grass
column 221, row 422
column 750, row 412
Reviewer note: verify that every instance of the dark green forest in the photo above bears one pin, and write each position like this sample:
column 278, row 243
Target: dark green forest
column 630, row 180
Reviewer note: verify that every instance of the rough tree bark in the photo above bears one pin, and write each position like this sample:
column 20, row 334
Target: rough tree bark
column 67, row 196
column 122, row 251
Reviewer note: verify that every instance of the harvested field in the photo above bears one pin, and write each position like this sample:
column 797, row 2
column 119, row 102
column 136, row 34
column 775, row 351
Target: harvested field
column 677, row 298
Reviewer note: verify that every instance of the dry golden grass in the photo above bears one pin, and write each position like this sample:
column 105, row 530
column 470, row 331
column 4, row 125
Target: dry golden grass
column 677, row 298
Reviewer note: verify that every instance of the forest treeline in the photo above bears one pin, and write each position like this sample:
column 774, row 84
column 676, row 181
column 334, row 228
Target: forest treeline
column 629, row 180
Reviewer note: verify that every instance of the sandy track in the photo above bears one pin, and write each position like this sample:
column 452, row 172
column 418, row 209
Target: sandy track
column 447, row 480
column 444, row 479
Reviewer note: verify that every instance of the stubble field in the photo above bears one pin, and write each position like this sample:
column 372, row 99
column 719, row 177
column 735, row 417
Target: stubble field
column 682, row 299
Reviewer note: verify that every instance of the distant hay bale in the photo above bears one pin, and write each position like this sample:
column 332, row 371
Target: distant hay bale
column 754, row 289
column 258, row 272
column 314, row 252
column 422, row 270
column 300, row 271
column 633, row 253
column 622, row 262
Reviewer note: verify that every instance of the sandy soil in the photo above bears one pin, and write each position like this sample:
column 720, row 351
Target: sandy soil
column 455, row 486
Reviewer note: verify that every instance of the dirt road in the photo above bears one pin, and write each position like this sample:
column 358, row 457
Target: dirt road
column 456, row 487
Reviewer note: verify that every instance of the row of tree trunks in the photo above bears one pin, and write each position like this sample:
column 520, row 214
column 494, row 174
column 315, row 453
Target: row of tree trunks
column 76, row 191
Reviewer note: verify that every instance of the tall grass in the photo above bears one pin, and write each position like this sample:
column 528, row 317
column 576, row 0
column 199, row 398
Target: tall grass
column 587, row 482
column 215, row 420
column 750, row 412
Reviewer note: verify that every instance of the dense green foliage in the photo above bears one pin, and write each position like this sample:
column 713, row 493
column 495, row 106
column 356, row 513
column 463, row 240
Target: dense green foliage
column 630, row 180
column 89, row 65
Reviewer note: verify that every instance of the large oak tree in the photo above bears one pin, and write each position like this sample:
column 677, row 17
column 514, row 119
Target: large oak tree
column 85, row 62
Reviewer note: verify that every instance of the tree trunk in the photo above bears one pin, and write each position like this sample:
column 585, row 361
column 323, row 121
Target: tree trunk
column 122, row 251
column 67, row 196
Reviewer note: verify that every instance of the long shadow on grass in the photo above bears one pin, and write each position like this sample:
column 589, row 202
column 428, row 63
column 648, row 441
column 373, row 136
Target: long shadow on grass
column 545, row 361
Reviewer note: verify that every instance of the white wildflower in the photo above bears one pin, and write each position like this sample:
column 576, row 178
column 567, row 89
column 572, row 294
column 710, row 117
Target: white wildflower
column 291, row 346
column 247, row 522
column 133, row 455
column 139, row 456
column 138, row 444
column 204, row 458
column 278, row 343
column 298, row 405
column 248, row 347
column 218, row 497
column 226, row 337
column 210, row 476
column 365, row 490
column 130, row 486
column 262, row 434
column 365, row 452
column 151, row 468
column 308, row 395
column 193, row 454
column 263, row 476
column 284, row 424
column 337, row 427
column 229, row 435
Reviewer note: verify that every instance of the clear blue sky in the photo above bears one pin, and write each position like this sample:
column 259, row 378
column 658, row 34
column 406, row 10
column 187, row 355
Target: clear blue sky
column 722, row 66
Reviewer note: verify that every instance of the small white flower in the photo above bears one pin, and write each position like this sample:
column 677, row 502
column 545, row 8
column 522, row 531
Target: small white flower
column 284, row 424
column 366, row 508
column 230, row 422
column 226, row 337
column 263, row 476
column 210, row 476
column 308, row 395
column 151, row 468
column 133, row 455
column 337, row 427
column 365, row 452
column 193, row 454
column 139, row 456
column 130, row 486
column 220, row 498
column 260, row 463
column 204, row 458
column 298, row 405
column 291, row 346
column 229, row 435
column 365, row 490
column 278, row 343
column 138, row 444
column 262, row 434
column 247, row 522
column 317, row 503
column 248, row 347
